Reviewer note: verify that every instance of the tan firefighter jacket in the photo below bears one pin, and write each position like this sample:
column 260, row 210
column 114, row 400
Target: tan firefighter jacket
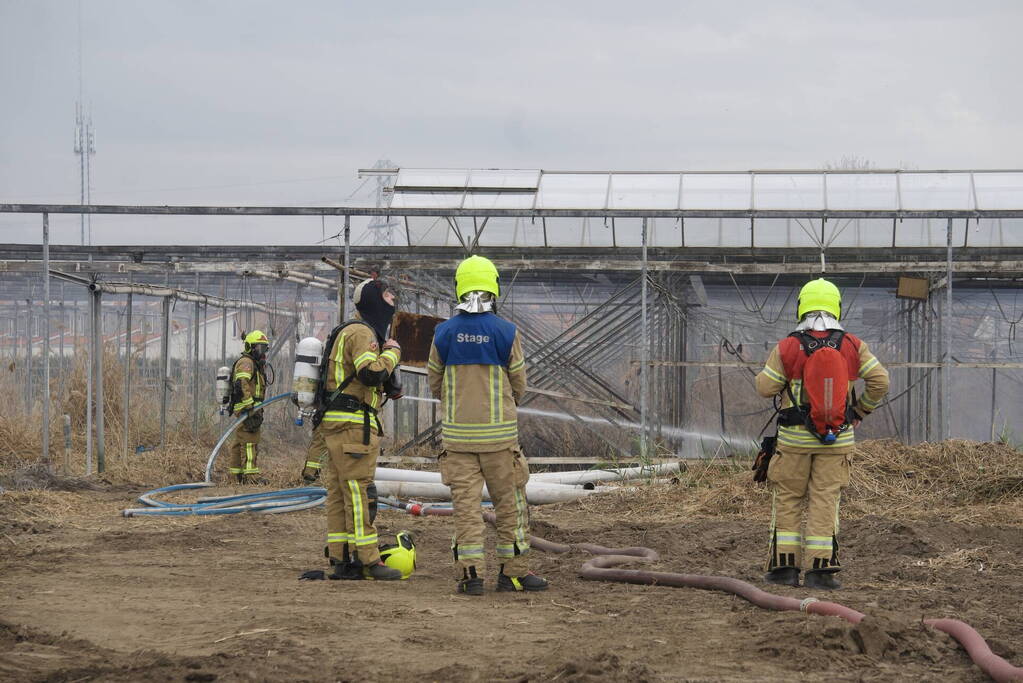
column 772, row 380
column 251, row 378
column 356, row 354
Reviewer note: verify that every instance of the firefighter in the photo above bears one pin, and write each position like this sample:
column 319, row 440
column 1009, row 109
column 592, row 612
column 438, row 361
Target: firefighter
column 477, row 370
column 809, row 463
column 362, row 359
column 248, row 389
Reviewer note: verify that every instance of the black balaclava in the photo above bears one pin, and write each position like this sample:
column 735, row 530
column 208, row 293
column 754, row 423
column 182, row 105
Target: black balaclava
column 374, row 310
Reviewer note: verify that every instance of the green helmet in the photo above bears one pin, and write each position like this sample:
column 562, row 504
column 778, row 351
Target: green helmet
column 476, row 274
column 819, row 295
column 400, row 555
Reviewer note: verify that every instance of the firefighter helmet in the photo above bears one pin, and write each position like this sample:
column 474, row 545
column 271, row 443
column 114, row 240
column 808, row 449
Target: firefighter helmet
column 400, row 555
column 819, row 295
column 255, row 337
column 476, row 274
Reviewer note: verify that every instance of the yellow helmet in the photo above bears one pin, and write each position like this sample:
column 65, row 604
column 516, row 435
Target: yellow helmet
column 400, row 555
column 476, row 274
column 819, row 295
column 255, row 337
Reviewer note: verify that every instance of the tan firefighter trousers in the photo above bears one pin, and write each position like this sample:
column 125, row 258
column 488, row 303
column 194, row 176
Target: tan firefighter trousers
column 244, row 450
column 505, row 473
column 348, row 475
column 820, row 478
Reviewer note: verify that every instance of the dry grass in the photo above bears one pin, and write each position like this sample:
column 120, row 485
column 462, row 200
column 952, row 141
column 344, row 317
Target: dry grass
column 961, row 481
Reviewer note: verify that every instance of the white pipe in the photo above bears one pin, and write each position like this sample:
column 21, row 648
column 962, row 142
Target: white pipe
column 536, row 494
column 588, row 476
column 395, row 474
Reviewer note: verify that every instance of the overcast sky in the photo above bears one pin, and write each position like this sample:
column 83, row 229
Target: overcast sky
column 281, row 102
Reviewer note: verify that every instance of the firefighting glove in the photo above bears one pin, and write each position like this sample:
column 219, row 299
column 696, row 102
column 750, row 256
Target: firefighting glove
column 763, row 460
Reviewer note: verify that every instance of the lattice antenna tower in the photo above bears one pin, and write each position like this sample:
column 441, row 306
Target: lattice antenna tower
column 380, row 227
column 85, row 140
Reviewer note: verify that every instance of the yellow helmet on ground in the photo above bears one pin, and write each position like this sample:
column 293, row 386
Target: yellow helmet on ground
column 400, row 555
column 819, row 295
column 476, row 274
column 255, row 337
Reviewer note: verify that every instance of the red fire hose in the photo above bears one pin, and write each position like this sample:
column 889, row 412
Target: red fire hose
column 602, row 567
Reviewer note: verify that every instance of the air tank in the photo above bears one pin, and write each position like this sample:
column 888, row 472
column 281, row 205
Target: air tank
column 307, row 375
column 223, row 388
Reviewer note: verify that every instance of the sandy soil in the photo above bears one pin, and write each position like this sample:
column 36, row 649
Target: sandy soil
column 88, row 595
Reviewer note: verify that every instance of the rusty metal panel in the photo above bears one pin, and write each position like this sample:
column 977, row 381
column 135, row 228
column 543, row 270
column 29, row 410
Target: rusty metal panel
column 415, row 334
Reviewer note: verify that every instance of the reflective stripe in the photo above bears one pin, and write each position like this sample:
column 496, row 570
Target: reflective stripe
column 506, row 550
column 493, row 384
column 339, row 537
column 449, row 393
column 436, row 367
column 339, row 359
column 787, row 537
column 818, row 542
column 515, row 367
column 521, row 521
column 392, row 355
column 359, row 536
column 242, row 405
column 480, row 427
column 777, row 377
column 313, row 463
column 479, row 433
column 250, row 458
column 868, row 366
column 800, row 437
column 867, row 403
column 516, row 583
column 364, row 358
column 235, row 470
column 243, row 375
column 354, row 418
column 470, row 552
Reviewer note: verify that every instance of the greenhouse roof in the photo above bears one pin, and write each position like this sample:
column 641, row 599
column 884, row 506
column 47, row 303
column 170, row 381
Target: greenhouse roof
column 693, row 191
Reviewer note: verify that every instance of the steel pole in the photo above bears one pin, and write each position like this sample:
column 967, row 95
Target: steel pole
column 127, row 377
column 90, row 372
column 343, row 294
column 164, row 369
column 195, row 371
column 948, row 333
column 46, row 343
column 645, row 355
column 98, row 339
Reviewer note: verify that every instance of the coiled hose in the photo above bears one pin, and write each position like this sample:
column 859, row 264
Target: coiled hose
column 603, row 567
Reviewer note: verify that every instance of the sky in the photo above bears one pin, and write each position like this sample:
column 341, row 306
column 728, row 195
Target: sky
column 273, row 103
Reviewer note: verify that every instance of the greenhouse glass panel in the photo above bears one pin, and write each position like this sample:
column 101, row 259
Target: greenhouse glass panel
column 431, row 177
column 644, row 191
column 717, row 232
column 862, row 191
column 999, row 190
column 488, row 177
column 923, row 191
column 716, row 191
column 786, row 232
column 572, row 191
column 788, row 191
column 498, row 200
column 426, row 200
column 859, row 232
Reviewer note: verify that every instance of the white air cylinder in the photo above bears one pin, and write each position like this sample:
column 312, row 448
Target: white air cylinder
column 223, row 388
column 307, row 373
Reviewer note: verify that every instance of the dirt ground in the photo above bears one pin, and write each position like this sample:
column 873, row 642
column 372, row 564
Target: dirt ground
column 86, row 594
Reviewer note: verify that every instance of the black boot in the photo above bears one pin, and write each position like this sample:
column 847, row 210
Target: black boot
column 783, row 576
column 823, row 579
column 346, row 569
column 240, row 478
column 471, row 583
column 381, row 572
column 527, row 582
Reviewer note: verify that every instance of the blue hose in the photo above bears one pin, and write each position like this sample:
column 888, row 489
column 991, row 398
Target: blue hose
column 230, row 430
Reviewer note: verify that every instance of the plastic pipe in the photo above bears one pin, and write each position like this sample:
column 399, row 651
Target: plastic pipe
column 592, row 476
column 536, row 494
column 234, row 426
